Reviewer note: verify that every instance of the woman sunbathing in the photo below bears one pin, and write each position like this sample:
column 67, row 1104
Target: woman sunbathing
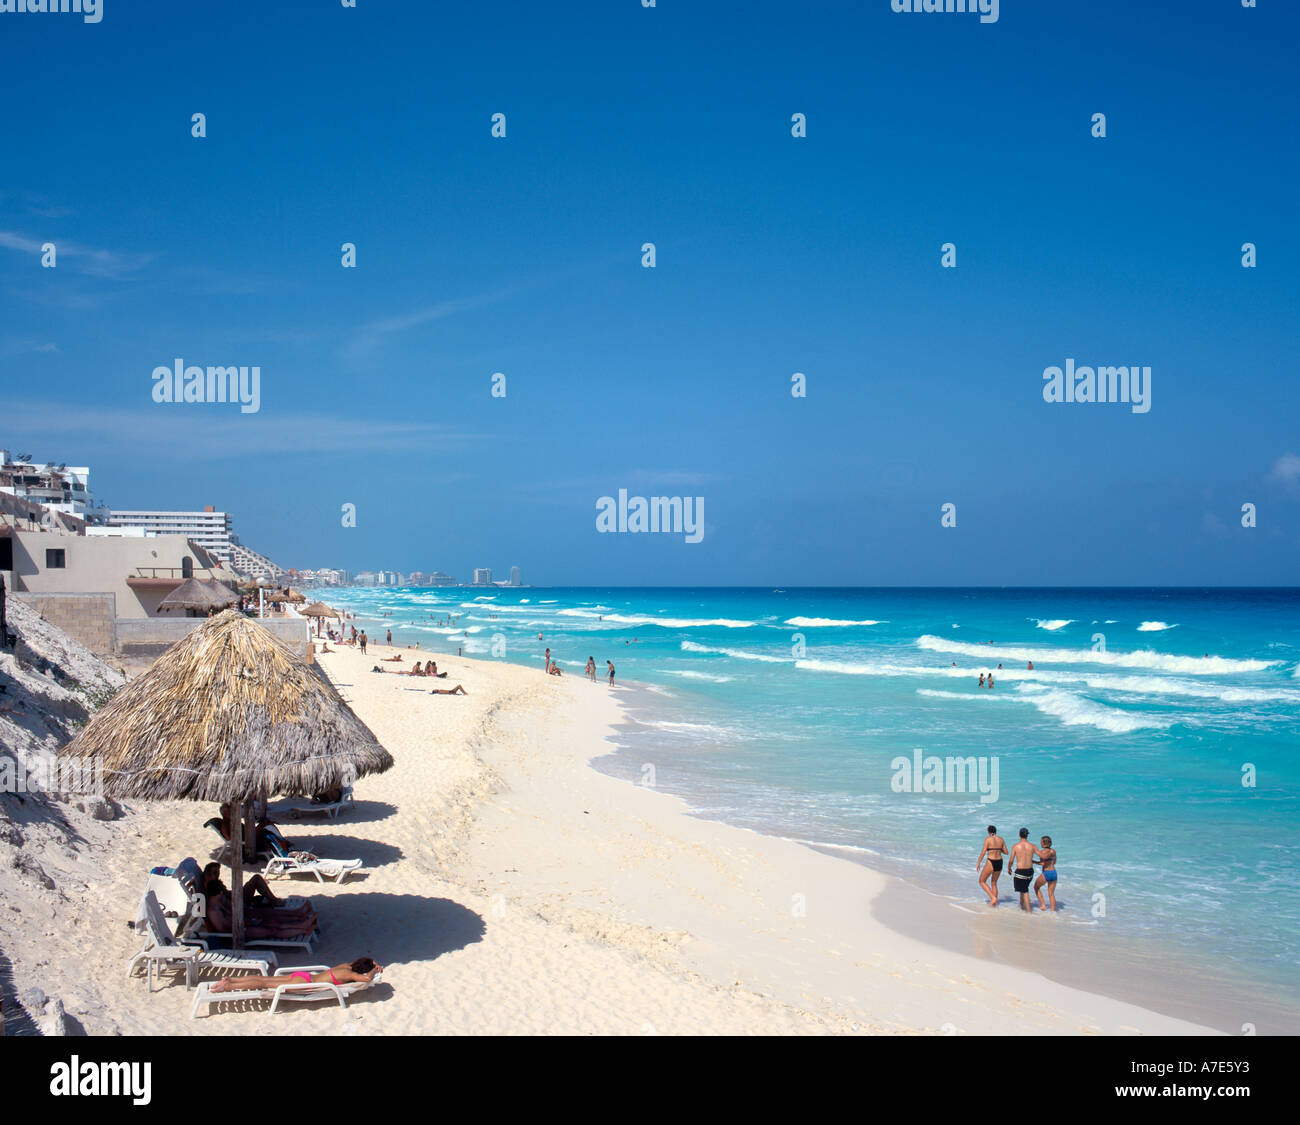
column 457, row 690
column 361, row 971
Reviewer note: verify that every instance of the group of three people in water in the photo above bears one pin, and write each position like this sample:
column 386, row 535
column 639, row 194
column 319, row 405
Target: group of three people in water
column 1024, row 856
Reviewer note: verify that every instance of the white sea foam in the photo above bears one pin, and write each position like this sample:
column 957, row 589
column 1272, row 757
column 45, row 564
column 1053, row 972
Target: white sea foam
column 739, row 654
column 1154, row 627
column 1141, row 658
column 976, row 696
column 1072, row 710
column 827, row 622
column 708, row 730
column 1051, row 624
column 679, row 622
column 687, row 674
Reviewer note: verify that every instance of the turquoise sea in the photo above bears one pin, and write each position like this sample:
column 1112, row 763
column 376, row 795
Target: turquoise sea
column 1155, row 739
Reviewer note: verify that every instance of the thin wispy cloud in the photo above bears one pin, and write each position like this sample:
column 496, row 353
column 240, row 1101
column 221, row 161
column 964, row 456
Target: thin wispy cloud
column 197, row 432
column 107, row 264
column 15, row 346
column 372, row 335
column 1287, row 470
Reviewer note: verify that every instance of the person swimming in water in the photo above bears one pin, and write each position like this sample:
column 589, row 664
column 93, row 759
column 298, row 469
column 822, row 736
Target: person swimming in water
column 981, row 679
column 1047, row 877
column 994, row 849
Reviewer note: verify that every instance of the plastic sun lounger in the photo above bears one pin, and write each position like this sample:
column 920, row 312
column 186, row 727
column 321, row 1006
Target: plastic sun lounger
column 161, row 949
column 199, row 935
column 195, row 930
column 297, row 809
column 284, row 862
column 290, row 990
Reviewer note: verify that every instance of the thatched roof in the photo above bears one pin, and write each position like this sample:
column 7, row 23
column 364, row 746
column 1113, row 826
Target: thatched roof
column 227, row 714
column 318, row 609
column 193, row 594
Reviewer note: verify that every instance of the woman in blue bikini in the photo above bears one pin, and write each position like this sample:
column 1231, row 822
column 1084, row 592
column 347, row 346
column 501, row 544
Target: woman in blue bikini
column 1046, row 877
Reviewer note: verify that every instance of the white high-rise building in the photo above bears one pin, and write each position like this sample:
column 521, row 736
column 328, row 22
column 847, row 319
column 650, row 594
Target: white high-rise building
column 514, row 576
column 482, row 576
column 210, row 529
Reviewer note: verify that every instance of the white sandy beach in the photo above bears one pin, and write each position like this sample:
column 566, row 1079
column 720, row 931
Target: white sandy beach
column 511, row 888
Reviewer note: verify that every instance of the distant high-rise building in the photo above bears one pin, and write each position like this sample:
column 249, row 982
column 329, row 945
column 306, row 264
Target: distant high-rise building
column 437, row 578
column 482, row 576
column 365, row 578
column 514, row 576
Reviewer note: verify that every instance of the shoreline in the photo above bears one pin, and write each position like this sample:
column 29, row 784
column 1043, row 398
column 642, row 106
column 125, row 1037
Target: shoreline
column 511, row 888
column 732, row 906
column 1071, row 958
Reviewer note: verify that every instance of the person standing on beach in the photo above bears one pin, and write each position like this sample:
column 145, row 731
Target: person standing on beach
column 362, row 641
column 591, row 669
column 1022, row 867
column 1047, row 877
column 994, row 849
column 547, row 667
column 390, row 636
column 611, row 672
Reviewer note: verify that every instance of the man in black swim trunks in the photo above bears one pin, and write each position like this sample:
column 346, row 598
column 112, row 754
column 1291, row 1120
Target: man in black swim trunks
column 1022, row 867
column 994, row 849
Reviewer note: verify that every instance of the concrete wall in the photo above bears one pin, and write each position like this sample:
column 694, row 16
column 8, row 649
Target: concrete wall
column 88, row 618
column 151, row 636
column 101, row 565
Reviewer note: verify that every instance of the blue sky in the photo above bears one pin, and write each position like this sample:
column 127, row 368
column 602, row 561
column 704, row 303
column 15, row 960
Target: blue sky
column 775, row 255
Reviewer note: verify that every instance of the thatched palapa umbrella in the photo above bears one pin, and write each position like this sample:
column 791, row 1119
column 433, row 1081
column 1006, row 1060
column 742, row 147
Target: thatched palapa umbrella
column 228, row 714
column 318, row 610
column 203, row 596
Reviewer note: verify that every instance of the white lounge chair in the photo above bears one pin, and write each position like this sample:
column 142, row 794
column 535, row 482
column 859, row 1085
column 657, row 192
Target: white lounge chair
column 304, row 863
column 290, row 990
column 161, row 949
column 193, row 928
column 297, row 809
column 198, row 933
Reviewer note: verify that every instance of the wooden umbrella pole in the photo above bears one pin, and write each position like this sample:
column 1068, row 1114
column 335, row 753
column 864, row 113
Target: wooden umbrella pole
column 237, row 875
